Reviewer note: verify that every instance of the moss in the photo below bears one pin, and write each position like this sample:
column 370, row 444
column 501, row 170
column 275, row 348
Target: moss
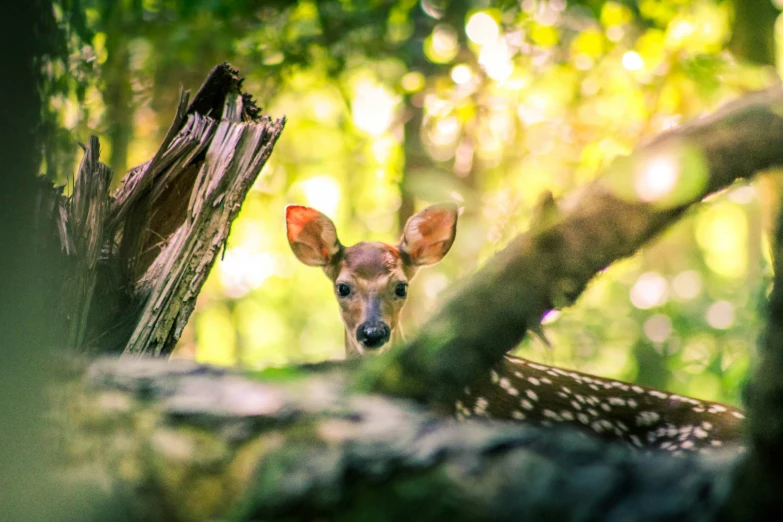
column 189, row 467
column 418, row 495
column 284, row 374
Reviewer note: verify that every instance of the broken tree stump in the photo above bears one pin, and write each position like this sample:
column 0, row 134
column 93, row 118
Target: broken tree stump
column 137, row 259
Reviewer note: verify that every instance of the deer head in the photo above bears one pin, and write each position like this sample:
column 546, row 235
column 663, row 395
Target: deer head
column 371, row 279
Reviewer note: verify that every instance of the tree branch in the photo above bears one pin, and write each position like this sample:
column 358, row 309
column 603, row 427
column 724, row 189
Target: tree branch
column 569, row 243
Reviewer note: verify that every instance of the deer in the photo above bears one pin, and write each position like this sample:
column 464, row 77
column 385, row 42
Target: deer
column 370, row 281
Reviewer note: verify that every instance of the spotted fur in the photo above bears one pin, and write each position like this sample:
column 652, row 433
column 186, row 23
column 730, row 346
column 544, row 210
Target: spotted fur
column 638, row 416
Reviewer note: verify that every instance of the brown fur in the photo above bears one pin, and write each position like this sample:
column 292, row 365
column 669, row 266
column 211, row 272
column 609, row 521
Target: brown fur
column 372, row 270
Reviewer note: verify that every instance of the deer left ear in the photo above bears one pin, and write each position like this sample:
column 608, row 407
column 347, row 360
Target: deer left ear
column 312, row 235
column 428, row 235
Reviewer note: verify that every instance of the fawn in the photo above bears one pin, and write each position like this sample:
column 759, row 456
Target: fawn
column 371, row 280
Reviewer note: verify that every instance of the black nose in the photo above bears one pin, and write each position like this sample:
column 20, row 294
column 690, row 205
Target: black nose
column 373, row 335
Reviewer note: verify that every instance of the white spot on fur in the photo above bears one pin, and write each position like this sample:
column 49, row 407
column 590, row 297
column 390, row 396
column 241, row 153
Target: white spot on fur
column 647, row 418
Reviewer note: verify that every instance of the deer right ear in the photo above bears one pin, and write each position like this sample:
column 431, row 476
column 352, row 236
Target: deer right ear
column 429, row 234
column 312, row 235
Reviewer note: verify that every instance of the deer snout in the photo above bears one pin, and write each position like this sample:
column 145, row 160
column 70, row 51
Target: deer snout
column 373, row 334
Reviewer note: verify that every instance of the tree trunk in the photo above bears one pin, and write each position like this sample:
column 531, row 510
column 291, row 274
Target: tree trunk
column 28, row 34
column 753, row 31
column 118, row 92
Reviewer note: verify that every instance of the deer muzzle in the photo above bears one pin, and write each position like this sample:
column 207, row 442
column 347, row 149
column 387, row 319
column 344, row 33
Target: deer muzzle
column 373, row 334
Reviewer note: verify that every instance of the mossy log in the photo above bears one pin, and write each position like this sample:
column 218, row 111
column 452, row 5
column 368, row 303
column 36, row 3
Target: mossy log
column 201, row 443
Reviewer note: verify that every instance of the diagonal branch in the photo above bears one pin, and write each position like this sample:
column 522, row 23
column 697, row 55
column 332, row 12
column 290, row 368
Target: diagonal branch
column 549, row 266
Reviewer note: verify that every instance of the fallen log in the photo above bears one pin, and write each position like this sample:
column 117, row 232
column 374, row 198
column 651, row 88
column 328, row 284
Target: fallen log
column 191, row 442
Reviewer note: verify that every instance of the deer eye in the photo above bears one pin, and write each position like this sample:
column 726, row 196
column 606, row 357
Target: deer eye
column 343, row 290
column 401, row 290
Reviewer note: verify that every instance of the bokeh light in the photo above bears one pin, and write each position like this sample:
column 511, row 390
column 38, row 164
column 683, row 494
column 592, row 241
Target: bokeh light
column 495, row 57
column 720, row 315
column 243, row 269
column 657, row 178
column 482, row 28
column 721, row 232
column 322, row 193
column 373, row 108
column 687, row 285
column 461, row 74
column 649, row 291
column 632, row 61
column 658, row 328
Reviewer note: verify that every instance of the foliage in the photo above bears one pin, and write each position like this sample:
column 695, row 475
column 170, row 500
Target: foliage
column 513, row 100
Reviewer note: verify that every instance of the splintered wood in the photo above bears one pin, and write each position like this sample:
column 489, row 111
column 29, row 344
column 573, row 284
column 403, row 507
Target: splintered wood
column 144, row 253
column 236, row 154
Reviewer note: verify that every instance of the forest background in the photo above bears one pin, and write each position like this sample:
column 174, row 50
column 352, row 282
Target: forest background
column 393, row 105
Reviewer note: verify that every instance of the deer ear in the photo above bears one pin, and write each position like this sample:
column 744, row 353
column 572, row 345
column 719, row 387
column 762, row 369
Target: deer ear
column 428, row 235
column 312, row 235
